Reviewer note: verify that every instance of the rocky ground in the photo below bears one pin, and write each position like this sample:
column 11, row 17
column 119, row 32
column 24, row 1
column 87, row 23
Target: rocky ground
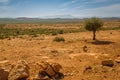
column 80, row 57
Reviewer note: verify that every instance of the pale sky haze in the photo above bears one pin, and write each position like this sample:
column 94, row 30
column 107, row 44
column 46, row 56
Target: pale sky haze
column 59, row 8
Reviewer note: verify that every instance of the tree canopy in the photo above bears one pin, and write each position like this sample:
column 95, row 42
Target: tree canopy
column 93, row 24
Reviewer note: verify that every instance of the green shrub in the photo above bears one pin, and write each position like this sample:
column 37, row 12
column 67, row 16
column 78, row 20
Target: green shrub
column 61, row 32
column 59, row 39
column 54, row 33
column 3, row 36
column 34, row 35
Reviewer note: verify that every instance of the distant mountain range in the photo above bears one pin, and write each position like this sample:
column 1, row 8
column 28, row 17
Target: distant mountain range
column 60, row 16
column 57, row 19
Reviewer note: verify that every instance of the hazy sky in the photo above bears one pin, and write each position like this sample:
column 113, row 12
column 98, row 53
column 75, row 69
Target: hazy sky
column 63, row 8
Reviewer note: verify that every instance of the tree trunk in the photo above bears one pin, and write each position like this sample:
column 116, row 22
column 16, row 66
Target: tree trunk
column 94, row 35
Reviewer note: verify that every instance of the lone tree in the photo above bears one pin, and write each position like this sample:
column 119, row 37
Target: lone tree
column 93, row 24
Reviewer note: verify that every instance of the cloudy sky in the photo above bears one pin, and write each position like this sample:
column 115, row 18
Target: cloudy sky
column 61, row 8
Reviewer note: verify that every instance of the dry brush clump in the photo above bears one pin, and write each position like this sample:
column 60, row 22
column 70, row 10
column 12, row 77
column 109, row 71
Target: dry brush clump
column 59, row 39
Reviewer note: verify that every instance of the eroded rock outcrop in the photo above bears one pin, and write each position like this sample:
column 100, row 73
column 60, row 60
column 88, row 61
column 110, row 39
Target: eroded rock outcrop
column 20, row 71
column 49, row 71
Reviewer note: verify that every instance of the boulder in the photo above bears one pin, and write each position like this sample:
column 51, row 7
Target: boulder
column 20, row 71
column 3, row 74
column 109, row 63
column 48, row 68
column 48, row 71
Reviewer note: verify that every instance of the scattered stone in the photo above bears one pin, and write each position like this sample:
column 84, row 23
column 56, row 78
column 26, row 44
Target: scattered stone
column 85, row 40
column 110, row 32
column 19, row 72
column 109, row 63
column 85, row 49
column 117, row 60
column 3, row 74
column 54, row 51
column 87, row 69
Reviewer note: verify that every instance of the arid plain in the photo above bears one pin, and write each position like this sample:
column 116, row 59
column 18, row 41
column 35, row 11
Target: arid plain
column 80, row 57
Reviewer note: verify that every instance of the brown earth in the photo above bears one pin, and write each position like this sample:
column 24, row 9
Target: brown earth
column 107, row 24
column 79, row 56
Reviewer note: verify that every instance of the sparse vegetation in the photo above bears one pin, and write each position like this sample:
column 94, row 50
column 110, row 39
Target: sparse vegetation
column 93, row 24
column 61, row 32
column 54, row 33
column 111, row 28
column 7, row 32
column 59, row 39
